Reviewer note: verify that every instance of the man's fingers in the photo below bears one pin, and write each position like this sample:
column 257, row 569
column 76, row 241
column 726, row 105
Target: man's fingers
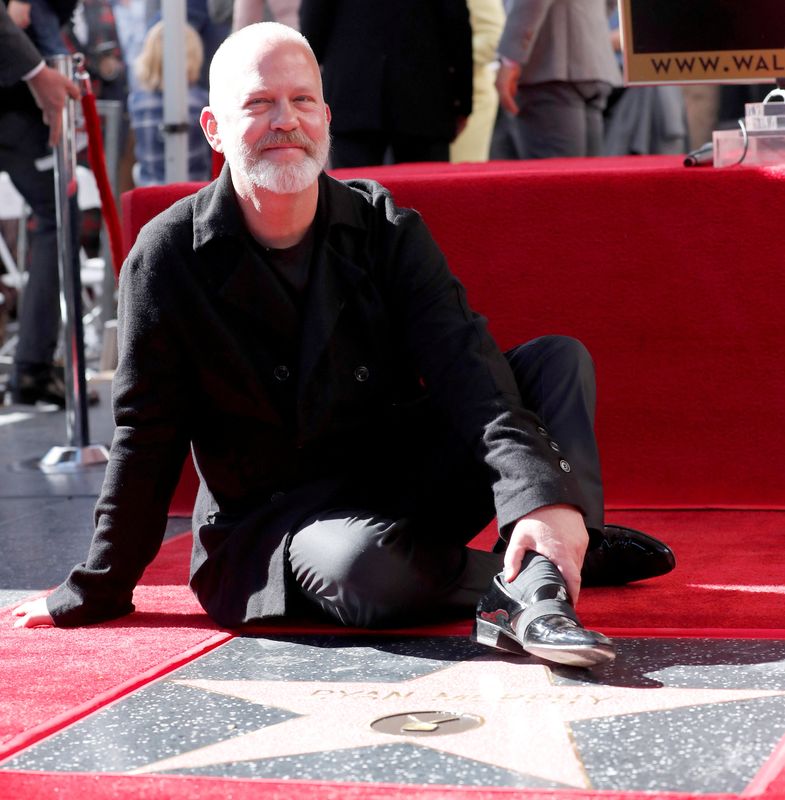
column 573, row 581
column 506, row 86
column 73, row 90
column 55, row 122
column 508, row 103
column 513, row 556
column 23, row 614
column 33, row 614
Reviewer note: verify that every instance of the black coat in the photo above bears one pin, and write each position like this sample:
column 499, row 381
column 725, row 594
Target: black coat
column 388, row 343
column 402, row 67
column 17, row 57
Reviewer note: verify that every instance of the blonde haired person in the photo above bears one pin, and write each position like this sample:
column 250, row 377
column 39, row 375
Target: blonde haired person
column 474, row 142
column 146, row 110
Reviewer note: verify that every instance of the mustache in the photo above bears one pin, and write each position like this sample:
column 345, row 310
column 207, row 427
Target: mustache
column 296, row 137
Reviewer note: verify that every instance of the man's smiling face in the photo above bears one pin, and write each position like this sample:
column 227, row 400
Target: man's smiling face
column 268, row 116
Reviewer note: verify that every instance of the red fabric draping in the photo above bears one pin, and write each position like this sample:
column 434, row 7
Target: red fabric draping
column 671, row 276
column 95, row 151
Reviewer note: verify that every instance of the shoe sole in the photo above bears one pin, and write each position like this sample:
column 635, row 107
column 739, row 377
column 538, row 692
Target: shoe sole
column 489, row 635
column 575, row 657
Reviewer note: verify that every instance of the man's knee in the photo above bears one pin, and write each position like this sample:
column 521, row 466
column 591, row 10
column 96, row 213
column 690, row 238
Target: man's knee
column 357, row 573
column 565, row 353
column 570, row 353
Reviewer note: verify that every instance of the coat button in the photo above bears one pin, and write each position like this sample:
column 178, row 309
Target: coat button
column 281, row 373
column 361, row 374
column 565, row 465
column 276, row 496
column 541, row 431
column 555, row 447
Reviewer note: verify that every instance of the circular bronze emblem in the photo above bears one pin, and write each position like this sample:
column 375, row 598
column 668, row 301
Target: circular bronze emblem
column 427, row 723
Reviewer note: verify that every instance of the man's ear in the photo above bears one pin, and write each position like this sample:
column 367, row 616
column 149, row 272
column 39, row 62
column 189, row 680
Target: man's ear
column 328, row 114
column 210, row 127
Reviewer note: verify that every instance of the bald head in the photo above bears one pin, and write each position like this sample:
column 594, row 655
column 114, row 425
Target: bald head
column 267, row 113
column 240, row 54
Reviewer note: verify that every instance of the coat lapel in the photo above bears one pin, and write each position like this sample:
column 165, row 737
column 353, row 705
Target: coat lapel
column 334, row 279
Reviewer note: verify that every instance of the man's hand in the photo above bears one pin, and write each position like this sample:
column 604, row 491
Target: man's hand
column 507, row 85
column 51, row 91
column 33, row 614
column 556, row 532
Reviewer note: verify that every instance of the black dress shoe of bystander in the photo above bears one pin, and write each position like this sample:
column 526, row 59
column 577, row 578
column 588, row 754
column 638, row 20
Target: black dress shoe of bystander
column 42, row 384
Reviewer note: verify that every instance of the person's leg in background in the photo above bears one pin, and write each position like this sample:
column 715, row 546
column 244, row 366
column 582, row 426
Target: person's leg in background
column 559, row 119
column 23, row 142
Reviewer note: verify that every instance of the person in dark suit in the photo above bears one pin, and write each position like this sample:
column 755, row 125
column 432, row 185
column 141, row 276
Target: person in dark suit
column 398, row 76
column 352, row 422
column 21, row 62
column 32, row 97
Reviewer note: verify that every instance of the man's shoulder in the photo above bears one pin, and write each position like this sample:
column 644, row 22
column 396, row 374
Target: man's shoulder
column 367, row 189
column 167, row 237
column 368, row 196
column 174, row 223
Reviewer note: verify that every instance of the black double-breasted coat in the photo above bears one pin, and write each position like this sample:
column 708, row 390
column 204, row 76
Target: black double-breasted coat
column 336, row 410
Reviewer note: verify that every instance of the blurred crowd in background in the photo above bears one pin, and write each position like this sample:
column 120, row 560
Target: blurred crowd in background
column 122, row 42
column 414, row 80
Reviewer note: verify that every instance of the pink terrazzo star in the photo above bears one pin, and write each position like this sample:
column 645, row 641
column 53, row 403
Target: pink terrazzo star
column 526, row 717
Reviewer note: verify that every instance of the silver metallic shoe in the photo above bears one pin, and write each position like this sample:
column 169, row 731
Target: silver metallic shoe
column 533, row 614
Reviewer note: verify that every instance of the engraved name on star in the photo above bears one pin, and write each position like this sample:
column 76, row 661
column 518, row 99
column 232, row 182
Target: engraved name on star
column 526, row 716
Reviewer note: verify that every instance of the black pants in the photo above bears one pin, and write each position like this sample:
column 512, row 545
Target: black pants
column 369, row 568
column 556, row 120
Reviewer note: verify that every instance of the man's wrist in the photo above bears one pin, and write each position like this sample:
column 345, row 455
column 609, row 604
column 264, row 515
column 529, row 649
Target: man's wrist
column 28, row 76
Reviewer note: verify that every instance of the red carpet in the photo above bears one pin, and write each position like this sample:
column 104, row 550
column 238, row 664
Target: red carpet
column 733, row 589
column 51, row 677
column 44, row 786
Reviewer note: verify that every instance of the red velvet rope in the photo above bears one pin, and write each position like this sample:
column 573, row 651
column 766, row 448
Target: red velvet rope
column 95, row 154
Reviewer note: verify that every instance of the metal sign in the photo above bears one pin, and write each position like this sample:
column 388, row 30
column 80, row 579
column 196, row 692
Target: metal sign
column 703, row 41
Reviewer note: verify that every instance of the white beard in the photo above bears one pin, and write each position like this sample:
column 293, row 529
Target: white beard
column 279, row 178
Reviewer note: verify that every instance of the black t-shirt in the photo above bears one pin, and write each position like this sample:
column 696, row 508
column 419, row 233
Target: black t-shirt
column 291, row 265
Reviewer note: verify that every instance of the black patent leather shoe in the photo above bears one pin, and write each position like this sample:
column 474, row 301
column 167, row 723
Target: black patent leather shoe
column 533, row 615
column 624, row 555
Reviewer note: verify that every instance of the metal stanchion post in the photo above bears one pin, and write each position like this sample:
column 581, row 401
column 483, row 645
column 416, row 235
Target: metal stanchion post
column 175, row 127
column 78, row 451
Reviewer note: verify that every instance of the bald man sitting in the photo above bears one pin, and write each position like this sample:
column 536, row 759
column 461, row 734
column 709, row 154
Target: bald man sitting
column 352, row 422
